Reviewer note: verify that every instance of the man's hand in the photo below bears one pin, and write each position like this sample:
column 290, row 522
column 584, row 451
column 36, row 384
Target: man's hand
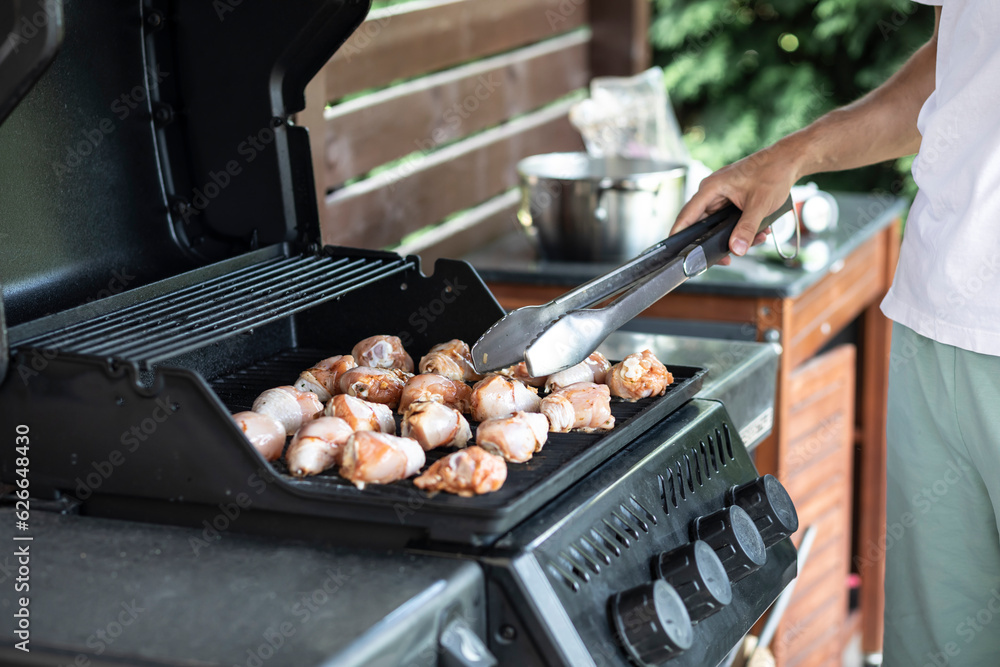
column 758, row 185
column 880, row 126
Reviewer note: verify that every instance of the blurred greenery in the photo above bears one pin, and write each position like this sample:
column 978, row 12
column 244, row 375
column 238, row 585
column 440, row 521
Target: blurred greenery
column 741, row 73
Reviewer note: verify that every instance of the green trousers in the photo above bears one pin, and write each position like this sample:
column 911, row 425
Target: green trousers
column 942, row 546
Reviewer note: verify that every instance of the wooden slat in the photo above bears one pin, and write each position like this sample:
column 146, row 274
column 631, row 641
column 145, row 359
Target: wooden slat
column 432, row 111
column 621, row 44
column 408, row 40
column 379, row 211
column 472, row 229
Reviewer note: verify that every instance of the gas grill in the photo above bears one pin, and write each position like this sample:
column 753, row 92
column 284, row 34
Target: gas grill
column 163, row 269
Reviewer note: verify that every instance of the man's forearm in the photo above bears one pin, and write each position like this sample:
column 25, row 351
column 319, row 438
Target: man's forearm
column 880, row 126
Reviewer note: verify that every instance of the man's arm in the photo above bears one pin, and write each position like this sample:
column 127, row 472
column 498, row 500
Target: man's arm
column 880, row 126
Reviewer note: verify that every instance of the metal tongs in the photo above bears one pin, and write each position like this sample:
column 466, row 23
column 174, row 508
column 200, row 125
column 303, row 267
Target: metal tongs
column 564, row 332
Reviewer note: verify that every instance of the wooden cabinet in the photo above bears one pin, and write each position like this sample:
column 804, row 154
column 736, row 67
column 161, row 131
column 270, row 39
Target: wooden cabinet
column 817, row 470
column 829, row 425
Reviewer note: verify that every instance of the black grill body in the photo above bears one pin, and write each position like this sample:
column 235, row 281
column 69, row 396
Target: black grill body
column 551, row 579
column 141, row 307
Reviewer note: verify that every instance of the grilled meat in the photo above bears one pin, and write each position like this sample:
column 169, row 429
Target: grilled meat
column 291, row 407
column 639, row 375
column 467, row 473
column 497, row 397
column 515, row 438
column 435, row 425
column 379, row 458
column 382, row 352
column 318, row 446
column 584, row 406
column 265, row 433
column 432, row 387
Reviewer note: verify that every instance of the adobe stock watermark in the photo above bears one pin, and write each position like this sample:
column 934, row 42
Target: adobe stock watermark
column 308, row 604
column 131, row 440
column 922, row 502
column 29, row 27
column 121, row 107
column 902, row 11
column 427, row 314
column 454, row 117
column 248, row 149
column 968, row 629
column 369, row 31
column 561, row 14
column 229, row 513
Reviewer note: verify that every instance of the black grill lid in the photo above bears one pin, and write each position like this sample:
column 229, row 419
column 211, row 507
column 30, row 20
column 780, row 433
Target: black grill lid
column 151, row 109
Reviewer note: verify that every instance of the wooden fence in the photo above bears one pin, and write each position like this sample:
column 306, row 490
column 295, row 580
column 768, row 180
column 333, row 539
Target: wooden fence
column 418, row 121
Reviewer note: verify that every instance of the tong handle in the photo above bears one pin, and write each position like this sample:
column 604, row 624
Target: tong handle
column 648, row 261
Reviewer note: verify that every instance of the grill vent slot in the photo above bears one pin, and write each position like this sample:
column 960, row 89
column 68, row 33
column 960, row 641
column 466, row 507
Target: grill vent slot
column 567, row 578
column 598, row 552
column 729, row 440
column 642, row 508
column 621, row 537
column 708, row 453
column 200, row 315
column 607, row 542
column 587, row 559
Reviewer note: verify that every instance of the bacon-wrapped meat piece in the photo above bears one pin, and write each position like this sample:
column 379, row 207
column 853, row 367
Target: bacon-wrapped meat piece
column 379, row 458
column 520, row 372
column 452, row 360
column 592, row 369
column 515, row 438
column 471, row 471
column 318, row 446
column 377, row 385
column 639, row 375
column 433, row 387
column 435, row 425
column 265, row 433
column 382, row 352
column 361, row 415
column 322, row 378
column 291, row 407
column 497, row 396
column 584, row 406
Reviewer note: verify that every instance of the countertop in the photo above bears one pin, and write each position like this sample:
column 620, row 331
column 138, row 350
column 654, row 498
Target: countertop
column 513, row 258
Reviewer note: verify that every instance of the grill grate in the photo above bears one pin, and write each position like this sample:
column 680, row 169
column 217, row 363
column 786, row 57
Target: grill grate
column 238, row 390
column 203, row 314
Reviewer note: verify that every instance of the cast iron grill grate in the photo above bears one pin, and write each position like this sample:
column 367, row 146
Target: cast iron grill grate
column 188, row 319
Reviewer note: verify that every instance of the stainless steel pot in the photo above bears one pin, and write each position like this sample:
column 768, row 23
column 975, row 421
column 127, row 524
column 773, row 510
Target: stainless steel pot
column 582, row 208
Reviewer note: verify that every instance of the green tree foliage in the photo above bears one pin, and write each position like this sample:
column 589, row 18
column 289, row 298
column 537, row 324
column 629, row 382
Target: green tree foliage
column 744, row 73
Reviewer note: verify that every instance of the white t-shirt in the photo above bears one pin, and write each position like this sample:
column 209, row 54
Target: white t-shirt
column 947, row 284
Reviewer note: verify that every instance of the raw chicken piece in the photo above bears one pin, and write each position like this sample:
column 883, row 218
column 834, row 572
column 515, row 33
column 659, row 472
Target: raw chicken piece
column 379, row 458
column 584, row 406
column 322, row 378
column 452, row 360
column 265, row 433
column 431, row 387
column 377, row 385
column 383, row 352
column 435, row 425
column 520, row 372
column 592, row 369
column 361, row 415
column 291, row 407
column 318, row 446
column 467, row 472
column 515, row 438
column 639, row 375
column 497, row 397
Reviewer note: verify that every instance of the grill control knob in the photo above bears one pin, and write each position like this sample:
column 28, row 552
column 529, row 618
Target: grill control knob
column 735, row 539
column 652, row 622
column 698, row 576
column 770, row 507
